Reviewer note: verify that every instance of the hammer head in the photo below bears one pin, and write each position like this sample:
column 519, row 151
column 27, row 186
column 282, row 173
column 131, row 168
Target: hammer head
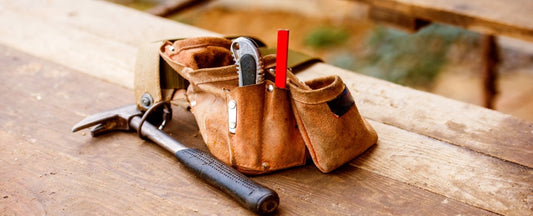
column 116, row 119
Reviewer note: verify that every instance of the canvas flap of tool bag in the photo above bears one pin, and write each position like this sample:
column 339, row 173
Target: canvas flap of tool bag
column 256, row 128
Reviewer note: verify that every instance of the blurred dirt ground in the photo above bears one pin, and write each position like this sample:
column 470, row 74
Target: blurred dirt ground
column 440, row 59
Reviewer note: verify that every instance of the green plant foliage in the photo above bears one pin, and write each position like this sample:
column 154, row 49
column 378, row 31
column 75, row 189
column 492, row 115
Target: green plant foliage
column 409, row 59
column 324, row 37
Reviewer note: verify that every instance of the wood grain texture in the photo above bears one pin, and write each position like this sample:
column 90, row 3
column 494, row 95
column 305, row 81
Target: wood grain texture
column 109, row 34
column 500, row 17
column 458, row 173
column 104, row 46
column 48, row 170
column 434, row 156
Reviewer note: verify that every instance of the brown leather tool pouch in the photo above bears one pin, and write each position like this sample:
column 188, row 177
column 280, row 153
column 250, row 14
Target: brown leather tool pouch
column 329, row 122
column 259, row 128
column 252, row 127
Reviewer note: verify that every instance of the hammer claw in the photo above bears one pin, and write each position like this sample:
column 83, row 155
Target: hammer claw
column 117, row 119
column 250, row 194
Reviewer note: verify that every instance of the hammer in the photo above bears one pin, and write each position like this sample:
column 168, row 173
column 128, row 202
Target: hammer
column 248, row 193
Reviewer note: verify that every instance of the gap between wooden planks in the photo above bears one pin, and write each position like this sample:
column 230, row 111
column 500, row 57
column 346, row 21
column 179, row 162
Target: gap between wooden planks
column 99, row 39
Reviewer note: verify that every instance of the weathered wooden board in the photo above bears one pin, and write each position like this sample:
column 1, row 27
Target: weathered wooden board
column 500, row 17
column 48, row 170
column 104, row 45
column 396, row 19
column 109, row 34
column 423, row 163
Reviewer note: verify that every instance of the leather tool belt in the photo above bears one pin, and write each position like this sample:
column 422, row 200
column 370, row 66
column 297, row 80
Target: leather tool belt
column 273, row 128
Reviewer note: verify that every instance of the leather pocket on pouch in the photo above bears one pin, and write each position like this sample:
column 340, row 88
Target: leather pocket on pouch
column 251, row 128
column 329, row 121
column 265, row 137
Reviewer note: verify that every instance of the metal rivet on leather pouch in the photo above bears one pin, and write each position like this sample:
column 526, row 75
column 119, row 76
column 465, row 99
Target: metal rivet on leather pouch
column 232, row 116
column 265, row 165
column 270, row 88
column 146, row 100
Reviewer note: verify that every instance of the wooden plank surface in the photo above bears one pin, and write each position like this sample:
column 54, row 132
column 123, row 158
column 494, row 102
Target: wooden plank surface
column 48, row 170
column 73, row 34
column 500, row 17
column 434, row 156
column 109, row 34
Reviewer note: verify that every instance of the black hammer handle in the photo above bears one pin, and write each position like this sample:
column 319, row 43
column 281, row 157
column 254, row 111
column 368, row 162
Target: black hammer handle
column 250, row 194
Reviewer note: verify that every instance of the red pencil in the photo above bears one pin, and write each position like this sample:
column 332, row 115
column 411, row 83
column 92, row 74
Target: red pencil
column 281, row 58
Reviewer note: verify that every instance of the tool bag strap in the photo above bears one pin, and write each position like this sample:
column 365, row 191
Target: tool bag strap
column 156, row 81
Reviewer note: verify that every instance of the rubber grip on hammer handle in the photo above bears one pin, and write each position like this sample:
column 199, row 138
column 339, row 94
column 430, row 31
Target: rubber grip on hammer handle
column 250, row 194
